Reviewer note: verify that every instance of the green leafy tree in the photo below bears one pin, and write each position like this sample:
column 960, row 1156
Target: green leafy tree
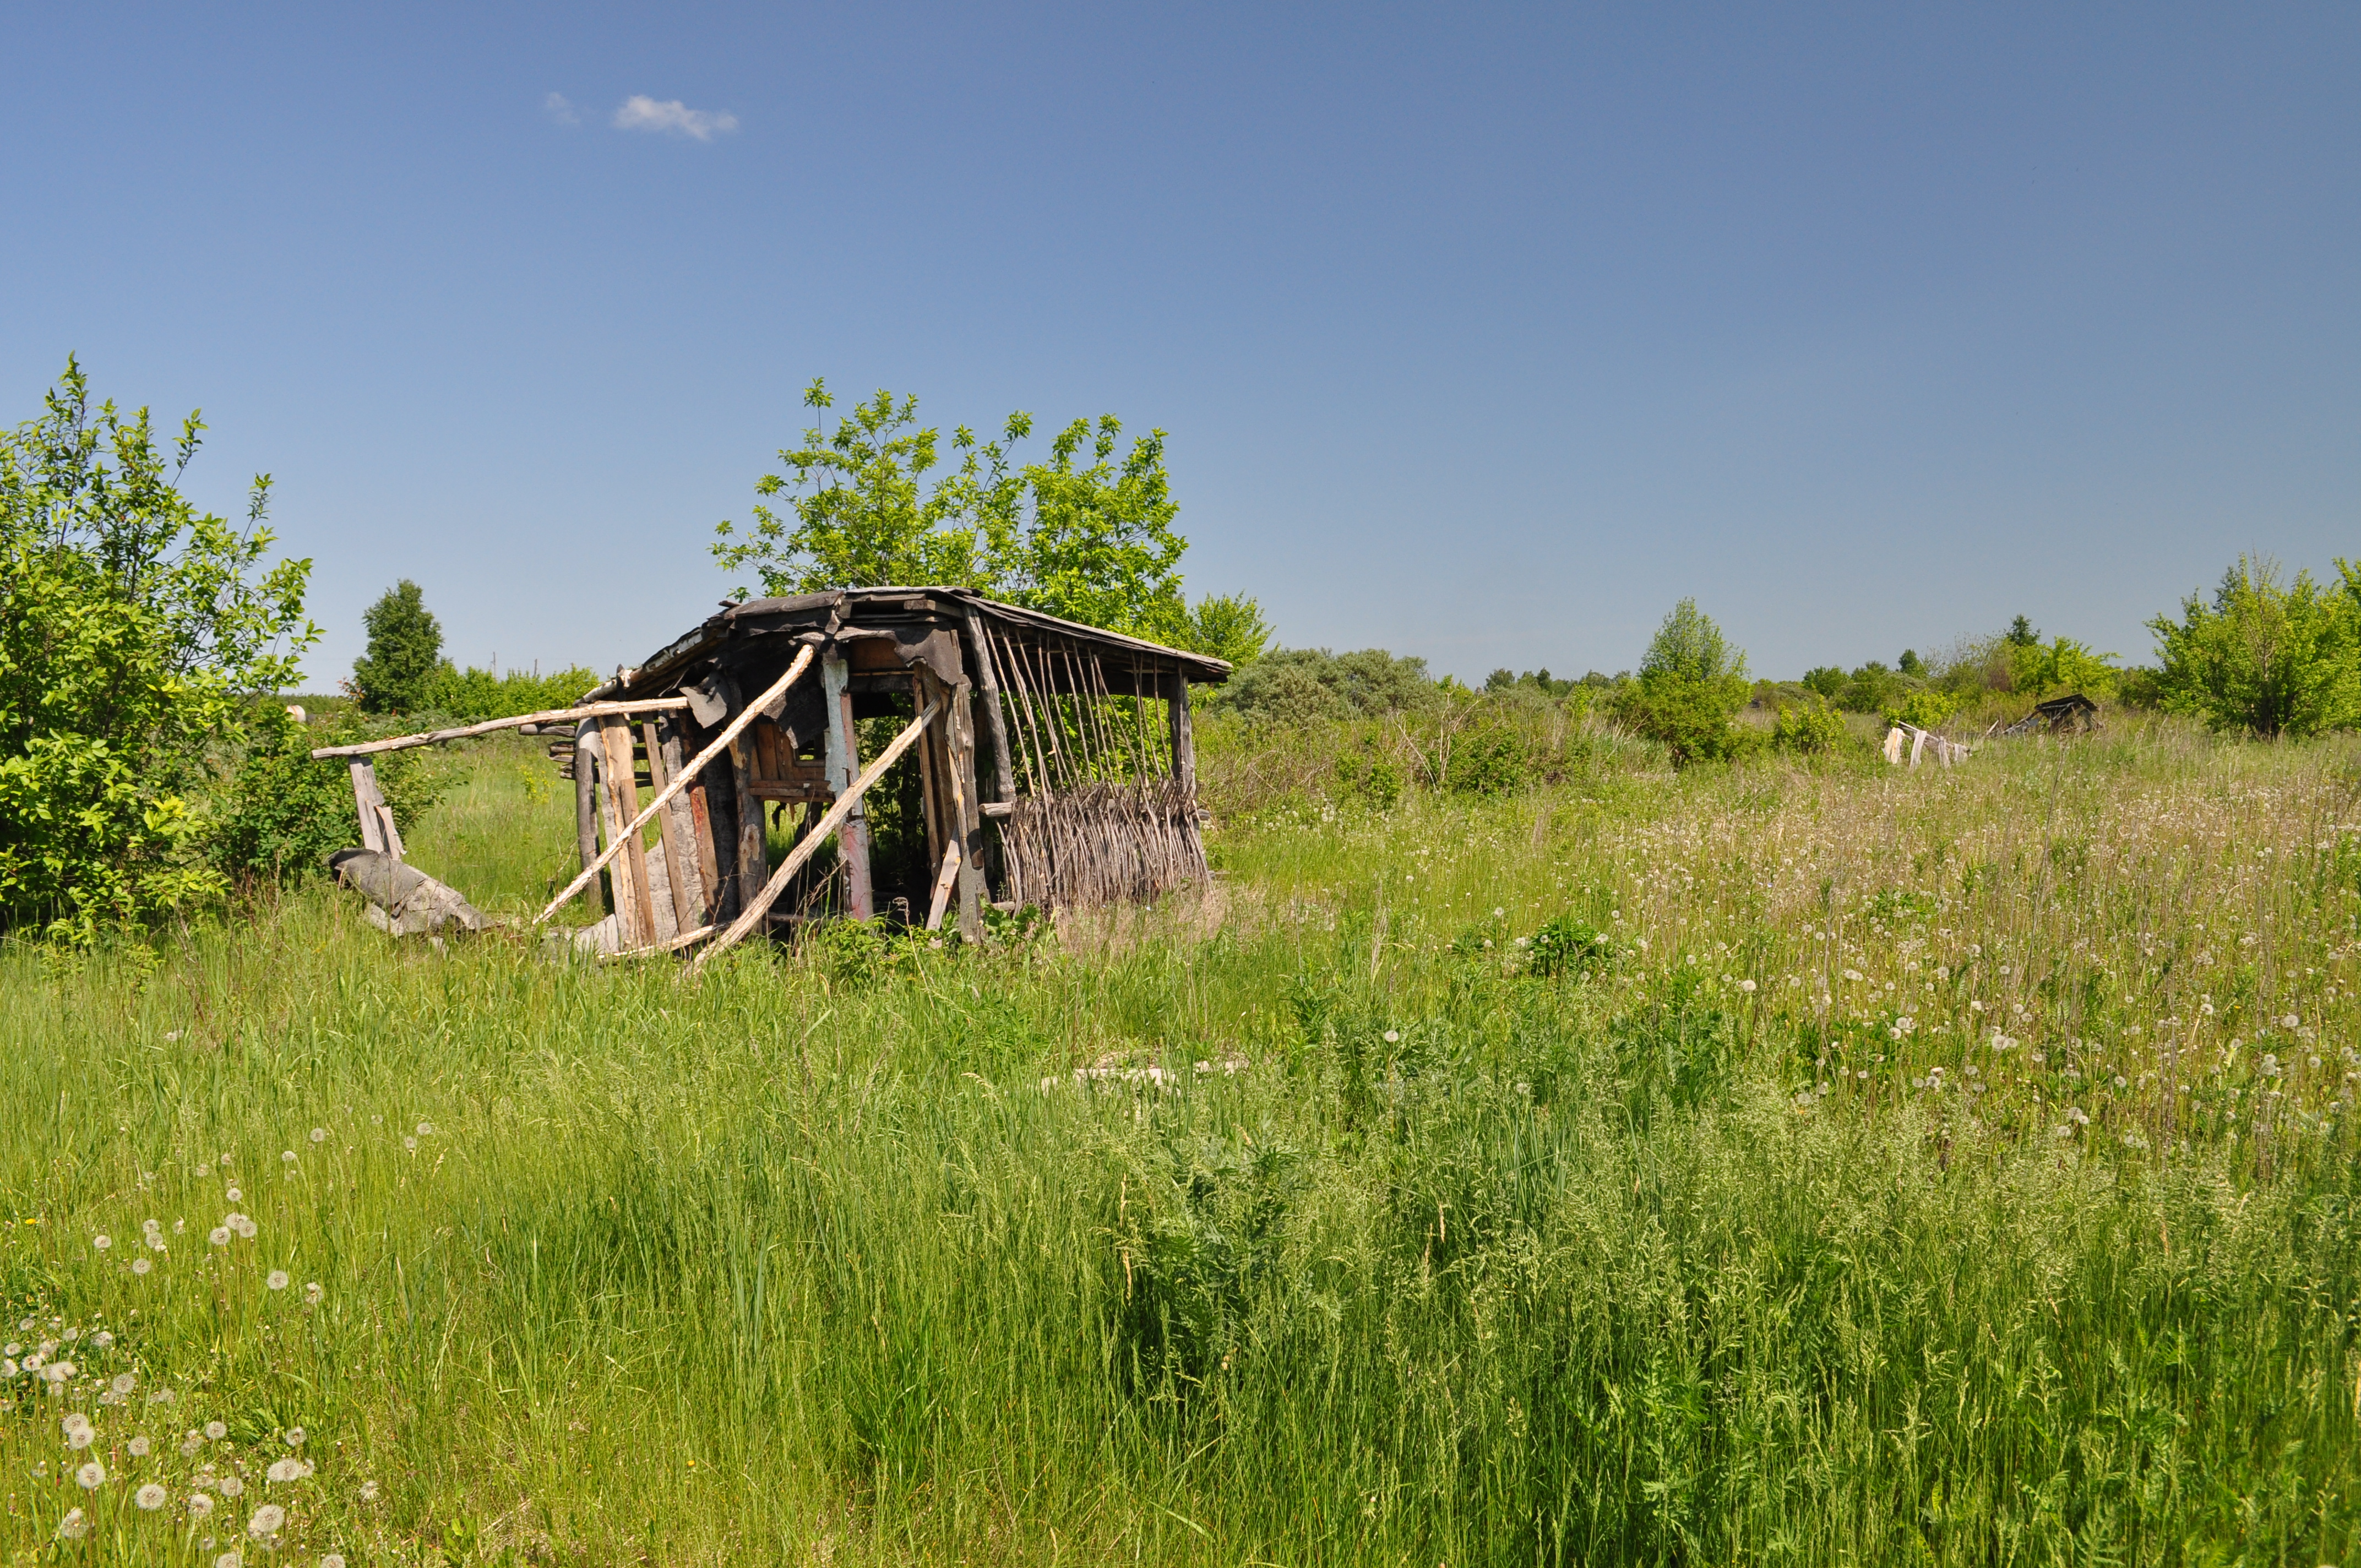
column 1086, row 534
column 1229, row 626
column 2266, row 656
column 135, row 633
column 2061, row 664
column 405, row 653
column 1690, row 686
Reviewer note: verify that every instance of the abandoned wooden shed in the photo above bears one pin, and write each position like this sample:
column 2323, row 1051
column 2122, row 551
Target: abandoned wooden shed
column 1048, row 762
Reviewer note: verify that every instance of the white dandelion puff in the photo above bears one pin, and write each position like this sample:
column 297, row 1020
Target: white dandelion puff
column 80, row 1438
column 140, row 1446
column 229, row 1559
column 140, row 1265
column 294, row 1436
column 266, row 1520
column 191, row 1444
column 319, row 1135
column 287, row 1470
column 151, row 1498
column 410, row 1143
column 91, row 1476
column 368, row 1491
column 232, row 1196
column 124, row 1382
column 333, row 1560
column 218, row 1235
column 102, row 1242
column 312, row 1293
column 241, row 1224
column 276, row 1280
column 216, row 1430
column 73, row 1526
column 232, row 1487
column 199, row 1505
column 426, row 1129
column 1393, row 1037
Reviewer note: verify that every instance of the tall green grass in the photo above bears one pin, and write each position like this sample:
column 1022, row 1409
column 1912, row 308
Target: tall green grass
column 1400, row 1254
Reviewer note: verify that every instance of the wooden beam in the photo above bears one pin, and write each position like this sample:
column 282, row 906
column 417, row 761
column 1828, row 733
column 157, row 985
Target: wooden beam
column 585, row 793
column 624, row 798
column 680, row 862
column 552, row 716
column 843, row 767
column 996, row 724
column 943, row 880
column 665, row 791
column 1184, row 749
column 839, row 814
column 365, row 800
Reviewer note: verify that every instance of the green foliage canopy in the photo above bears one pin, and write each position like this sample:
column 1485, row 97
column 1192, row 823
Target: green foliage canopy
column 2266, row 656
column 135, row 631
column 405, row 649
column 1086, row 534
column 1691, row 685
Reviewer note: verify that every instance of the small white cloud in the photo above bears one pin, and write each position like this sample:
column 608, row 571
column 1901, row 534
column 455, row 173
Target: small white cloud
column 559, row 110
column 641, row 113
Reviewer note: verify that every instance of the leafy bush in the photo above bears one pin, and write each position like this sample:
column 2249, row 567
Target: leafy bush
column 1690, row 686
column 1925, row 709
column 1373, row 779
column 282, row 814
column 133, row 629
column 2266, row 656
column 1565, row 946
column 1494, row 760
column 474, row 695
column 1807, row 731
column 2062, row 665
column 405, row 650
column 1304, row 685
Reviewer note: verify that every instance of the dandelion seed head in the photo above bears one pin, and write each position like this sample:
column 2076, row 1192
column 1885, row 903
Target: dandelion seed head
column 333, row 1560
column 232, row 1487
column 232, row 1195
column 218, row 1235
column 312, row 1293
column 216, row 1430
column 319, row 1135
column 287, row 1470
column 102, row 1242
column 91, row 1476
column 73, row 1526
column 199, row 1505
column 140, row 1265
column 294, row 1437
column 229, row 1559
column 151, row 1498
column 410, row 1143
column 267, row 1521
column 80, row 1438
column 138, row 1446
column 276, row 1280
column 1393, row 1037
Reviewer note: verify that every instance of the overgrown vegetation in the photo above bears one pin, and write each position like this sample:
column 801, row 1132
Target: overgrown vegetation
column 134, row 632
column 1768, row 1163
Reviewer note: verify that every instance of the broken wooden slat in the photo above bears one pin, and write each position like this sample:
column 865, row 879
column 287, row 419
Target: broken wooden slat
column 943, row 881
column 553, row 716
column 365, row 800
column 996, row 724
column 724, row 741
column 834, row 821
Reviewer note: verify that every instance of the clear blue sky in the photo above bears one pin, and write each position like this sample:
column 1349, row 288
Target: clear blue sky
column 1480, row 333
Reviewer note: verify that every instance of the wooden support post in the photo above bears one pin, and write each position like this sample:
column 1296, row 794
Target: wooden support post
column 662, row 737
column 943, row 880
column 987, row 698
column 924, row 687
column 843, row 769
column 1184, row 751
column 365, row 802
column 966, row 811
column 585, row 790
column 630, row 868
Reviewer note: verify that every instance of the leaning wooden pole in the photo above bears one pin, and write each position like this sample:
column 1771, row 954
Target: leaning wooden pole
column 760, row 904
column 548, row 716
column 746, row 716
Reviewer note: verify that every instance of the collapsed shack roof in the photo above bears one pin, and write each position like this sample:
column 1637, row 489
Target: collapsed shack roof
column 1049, row 764
column 928, row 623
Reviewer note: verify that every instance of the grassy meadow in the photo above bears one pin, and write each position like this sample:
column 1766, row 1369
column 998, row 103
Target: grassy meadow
column 1947, row 1166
